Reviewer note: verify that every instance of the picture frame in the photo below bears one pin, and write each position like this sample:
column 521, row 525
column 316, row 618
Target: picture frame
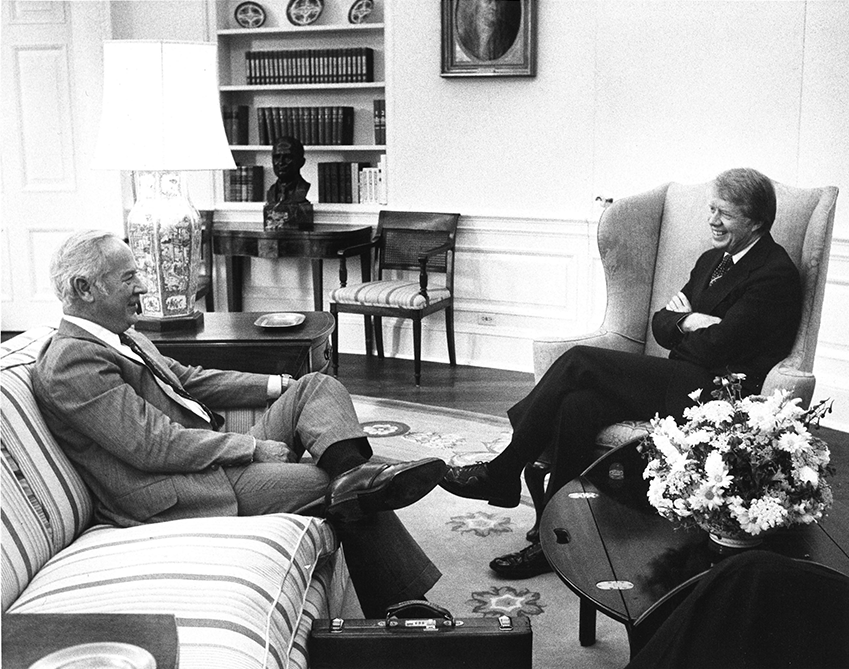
column 488, row 38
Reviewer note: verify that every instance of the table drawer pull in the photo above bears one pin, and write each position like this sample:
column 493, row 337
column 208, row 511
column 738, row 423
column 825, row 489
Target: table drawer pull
column 562, row 535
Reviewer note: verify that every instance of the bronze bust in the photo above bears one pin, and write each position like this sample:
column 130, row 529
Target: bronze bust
column 286, row 204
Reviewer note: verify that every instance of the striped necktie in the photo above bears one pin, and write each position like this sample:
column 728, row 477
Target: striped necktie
column 724, row 265
column 154, row 367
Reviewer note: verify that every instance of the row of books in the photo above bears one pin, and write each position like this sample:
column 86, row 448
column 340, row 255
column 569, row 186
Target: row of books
column 380, row 121
column 309, row 66
column 235, row 123
column 352, row 182
column 245, row 184
column 311, row 125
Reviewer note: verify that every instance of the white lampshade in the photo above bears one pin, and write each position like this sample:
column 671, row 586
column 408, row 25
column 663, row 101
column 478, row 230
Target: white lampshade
column 161, row 109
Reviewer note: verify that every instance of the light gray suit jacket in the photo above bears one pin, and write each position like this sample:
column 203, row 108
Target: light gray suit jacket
column 145, row 456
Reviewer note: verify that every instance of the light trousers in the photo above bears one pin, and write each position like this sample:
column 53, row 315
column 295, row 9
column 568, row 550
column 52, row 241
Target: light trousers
column 386, row 564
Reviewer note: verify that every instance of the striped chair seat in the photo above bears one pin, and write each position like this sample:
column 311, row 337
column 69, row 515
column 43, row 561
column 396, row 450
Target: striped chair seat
column 396, row 294
column 237, row 586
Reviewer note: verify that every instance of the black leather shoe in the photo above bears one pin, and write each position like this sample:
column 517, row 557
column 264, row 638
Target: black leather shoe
column 475, row 482
column 373, row 487
column 528, row 562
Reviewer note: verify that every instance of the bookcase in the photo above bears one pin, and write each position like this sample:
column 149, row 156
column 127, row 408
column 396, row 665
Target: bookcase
column 323, row 83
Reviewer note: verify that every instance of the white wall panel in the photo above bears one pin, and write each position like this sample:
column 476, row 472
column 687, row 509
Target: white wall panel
column 687, row 89
column 31, row 11
column 46, row 118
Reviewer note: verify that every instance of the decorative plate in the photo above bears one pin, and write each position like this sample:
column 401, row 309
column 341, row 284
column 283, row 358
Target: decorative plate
column 281, row 320
column 360, row 10
column 104, row 655
column 250, row 15
column 304, row 12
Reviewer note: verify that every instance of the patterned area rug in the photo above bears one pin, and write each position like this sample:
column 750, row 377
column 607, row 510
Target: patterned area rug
column 461, row 536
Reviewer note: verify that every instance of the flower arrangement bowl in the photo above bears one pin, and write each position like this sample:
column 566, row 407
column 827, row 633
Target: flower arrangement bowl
column 739, row 467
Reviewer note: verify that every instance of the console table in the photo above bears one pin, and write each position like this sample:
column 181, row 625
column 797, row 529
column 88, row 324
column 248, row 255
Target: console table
column 28, row 637
column 612, row 548
column 232, row 341
column 323, row 241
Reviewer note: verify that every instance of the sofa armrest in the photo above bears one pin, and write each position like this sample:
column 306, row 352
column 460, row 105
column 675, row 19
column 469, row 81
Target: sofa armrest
column 547, row 350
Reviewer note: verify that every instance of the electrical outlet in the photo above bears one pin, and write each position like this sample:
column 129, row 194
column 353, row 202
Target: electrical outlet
column 486, row 319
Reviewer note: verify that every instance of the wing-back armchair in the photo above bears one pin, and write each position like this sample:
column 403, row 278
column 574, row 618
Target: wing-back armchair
column 648, row 244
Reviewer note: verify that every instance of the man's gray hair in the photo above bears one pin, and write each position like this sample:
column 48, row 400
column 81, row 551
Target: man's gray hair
column 82, row 255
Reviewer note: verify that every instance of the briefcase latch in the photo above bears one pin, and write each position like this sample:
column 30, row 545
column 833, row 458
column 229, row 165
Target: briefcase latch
column 505, row 623
column 337, row 624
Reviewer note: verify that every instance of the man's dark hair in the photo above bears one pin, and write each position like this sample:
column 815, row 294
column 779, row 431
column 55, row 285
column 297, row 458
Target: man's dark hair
column 751, row 191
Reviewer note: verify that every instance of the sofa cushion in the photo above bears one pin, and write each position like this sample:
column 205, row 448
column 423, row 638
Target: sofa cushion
column 26, row 543
column 237, row 586
column 60, row 496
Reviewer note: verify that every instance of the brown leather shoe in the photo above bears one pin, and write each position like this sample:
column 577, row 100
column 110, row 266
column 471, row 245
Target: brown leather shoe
column 373, row 487
column 475, row 482
column 528, row 562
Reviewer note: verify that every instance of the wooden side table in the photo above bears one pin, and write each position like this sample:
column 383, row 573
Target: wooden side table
column 612, row 548
column 27, row 637
column 323, row 241
column 232, row 341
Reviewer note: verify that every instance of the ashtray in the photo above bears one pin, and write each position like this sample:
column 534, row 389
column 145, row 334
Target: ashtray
column 104, row 655
column 279, row 320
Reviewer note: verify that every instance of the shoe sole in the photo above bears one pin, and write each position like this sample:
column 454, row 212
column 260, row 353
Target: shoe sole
column 406, row 487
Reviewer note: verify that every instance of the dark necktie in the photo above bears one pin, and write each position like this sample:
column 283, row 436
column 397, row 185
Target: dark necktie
column 724, row 265
column 154, row 367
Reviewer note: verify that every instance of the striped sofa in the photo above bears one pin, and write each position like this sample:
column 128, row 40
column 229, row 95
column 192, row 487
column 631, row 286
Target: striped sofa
column 244, row 590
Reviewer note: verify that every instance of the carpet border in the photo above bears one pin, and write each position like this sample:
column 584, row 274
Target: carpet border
column 461, row 414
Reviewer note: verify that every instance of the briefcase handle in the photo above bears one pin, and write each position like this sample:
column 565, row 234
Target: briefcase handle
column 417, row 613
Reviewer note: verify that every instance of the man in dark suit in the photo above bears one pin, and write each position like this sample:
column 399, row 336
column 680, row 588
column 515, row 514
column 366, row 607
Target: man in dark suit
column 138, row 428
column 738, row 312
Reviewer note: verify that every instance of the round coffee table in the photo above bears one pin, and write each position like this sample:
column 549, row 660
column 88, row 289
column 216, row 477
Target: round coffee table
column 610, row 546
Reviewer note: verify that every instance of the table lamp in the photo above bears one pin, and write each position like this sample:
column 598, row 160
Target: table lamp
column 161, row 117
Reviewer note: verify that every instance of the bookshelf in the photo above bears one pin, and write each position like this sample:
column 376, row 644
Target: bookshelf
column 330, row 34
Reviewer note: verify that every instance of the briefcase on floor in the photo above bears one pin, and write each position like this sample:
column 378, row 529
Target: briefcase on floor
column 421, row 635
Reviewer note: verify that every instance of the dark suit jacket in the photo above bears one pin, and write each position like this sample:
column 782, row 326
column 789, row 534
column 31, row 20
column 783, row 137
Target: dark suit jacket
column 760, row 303
column 144, row 456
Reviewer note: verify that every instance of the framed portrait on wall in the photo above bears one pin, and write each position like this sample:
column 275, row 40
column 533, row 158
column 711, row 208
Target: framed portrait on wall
column 488, row 38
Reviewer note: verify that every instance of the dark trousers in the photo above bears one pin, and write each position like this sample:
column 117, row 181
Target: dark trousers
column 758, row 610
column 588, row 388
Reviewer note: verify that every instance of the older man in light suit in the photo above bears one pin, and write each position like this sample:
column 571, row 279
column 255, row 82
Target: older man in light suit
column 137, row 426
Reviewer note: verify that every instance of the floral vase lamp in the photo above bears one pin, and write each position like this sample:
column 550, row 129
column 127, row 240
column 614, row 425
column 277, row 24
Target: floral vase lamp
column 739, row 468
column 161, row 117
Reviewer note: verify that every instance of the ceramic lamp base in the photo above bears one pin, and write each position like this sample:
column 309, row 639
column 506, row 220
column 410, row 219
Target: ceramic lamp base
column 179, row 323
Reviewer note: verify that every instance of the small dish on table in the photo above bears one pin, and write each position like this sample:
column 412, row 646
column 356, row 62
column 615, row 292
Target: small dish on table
column 279, row 320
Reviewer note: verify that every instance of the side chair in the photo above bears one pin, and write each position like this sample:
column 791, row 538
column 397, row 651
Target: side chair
column 648, row 243
column 405, row 241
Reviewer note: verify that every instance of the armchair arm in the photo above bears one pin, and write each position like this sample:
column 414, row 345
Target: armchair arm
column 800, row 384
column 423, row 258
column 348, row 251
column 546, row 351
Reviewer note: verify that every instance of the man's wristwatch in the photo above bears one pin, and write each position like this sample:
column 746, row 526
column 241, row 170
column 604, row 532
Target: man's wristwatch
column 285, row 381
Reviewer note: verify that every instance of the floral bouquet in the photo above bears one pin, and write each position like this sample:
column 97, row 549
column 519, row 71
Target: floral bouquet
column 739, row 467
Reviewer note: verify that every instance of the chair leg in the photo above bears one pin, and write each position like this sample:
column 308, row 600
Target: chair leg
column 367, row 324
column 378, row 335
column 449, row 332
column 334, row 339
column 417, row 348
column 535, row 474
